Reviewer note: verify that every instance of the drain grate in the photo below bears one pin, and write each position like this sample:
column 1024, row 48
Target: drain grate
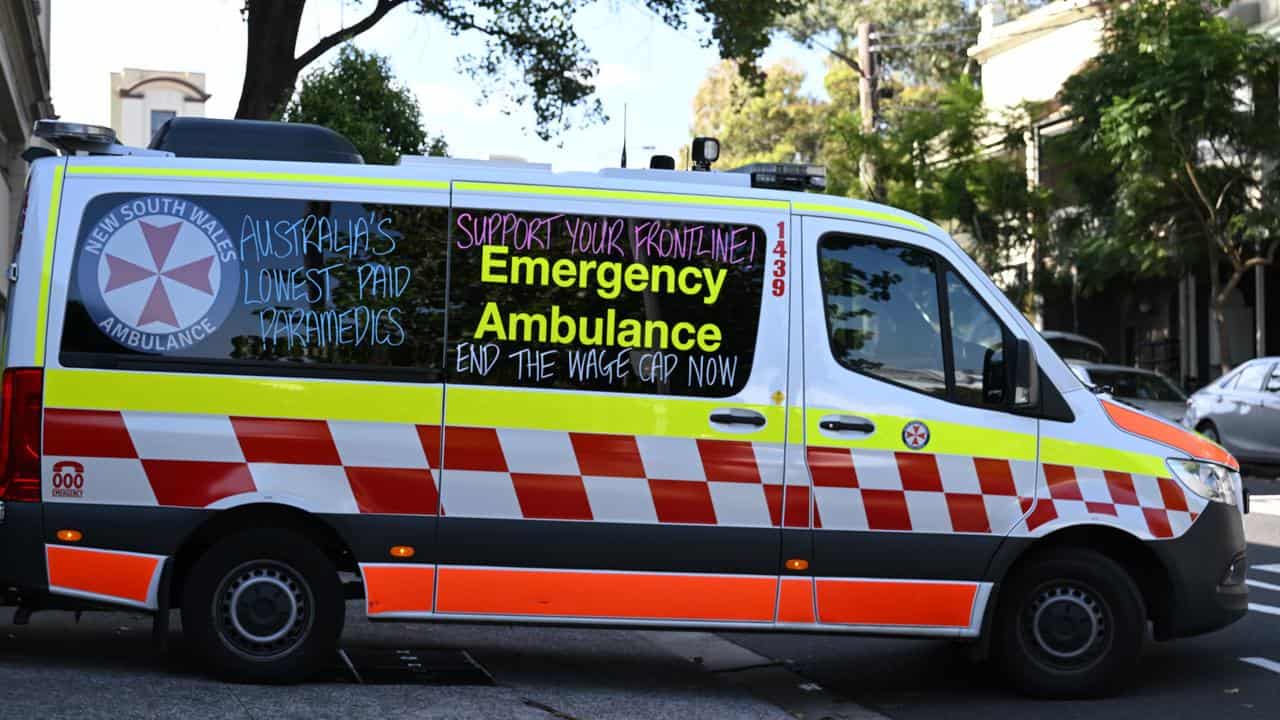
column 406, row 666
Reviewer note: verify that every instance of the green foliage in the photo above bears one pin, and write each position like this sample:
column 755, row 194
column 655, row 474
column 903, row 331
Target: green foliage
column 359, row 97
column 922, row 40
column 938, row 154
column 773, row 122
column 1164, row 112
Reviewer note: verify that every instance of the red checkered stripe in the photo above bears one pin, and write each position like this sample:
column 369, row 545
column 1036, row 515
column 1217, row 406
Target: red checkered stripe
column 919, row 492
column 210, row 461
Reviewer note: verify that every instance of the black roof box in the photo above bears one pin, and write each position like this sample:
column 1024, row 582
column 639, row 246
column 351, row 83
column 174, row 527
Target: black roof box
column 253, row 140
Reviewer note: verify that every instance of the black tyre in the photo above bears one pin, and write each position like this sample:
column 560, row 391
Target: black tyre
column 263, row 606
column 1069, row 624
column 1209, row 431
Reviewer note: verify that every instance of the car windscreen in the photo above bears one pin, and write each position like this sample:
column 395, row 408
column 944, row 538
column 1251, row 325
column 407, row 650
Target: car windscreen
column 1137, row 385
column 1076, row 350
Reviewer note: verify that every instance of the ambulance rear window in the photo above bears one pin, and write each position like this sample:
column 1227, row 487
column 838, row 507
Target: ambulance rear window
column 593, row 302
column 234, row 284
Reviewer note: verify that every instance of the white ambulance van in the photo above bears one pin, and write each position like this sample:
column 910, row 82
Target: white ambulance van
column 235, row 375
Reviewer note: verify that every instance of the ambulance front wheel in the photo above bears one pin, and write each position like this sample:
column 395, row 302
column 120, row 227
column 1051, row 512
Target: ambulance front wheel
column 1070, row 623
column 263, row 606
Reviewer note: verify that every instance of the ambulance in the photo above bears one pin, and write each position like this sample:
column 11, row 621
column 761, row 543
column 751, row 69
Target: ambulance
column 248, row 378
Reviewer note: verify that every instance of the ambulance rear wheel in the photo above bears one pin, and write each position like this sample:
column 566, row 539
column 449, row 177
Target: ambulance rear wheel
column 1069, row 624
column 263, row 606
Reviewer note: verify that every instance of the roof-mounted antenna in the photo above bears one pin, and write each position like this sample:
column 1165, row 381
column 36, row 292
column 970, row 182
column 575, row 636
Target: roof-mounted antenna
column 624, row 135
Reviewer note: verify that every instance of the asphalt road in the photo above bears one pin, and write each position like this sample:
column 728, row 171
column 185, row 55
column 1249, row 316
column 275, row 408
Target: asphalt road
column 105, row 666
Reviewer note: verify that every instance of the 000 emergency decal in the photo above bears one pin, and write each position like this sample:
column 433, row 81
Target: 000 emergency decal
column 158, row 274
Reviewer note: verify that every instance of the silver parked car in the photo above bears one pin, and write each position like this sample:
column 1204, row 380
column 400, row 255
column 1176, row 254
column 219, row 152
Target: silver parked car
column 1241, row 411
column 1146, row 389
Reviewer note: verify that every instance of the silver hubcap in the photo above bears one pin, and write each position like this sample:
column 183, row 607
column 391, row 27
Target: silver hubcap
column 263, row 609
column 1068, row 624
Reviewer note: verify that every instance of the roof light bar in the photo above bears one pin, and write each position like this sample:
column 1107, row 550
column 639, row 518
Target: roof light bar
column 69, row 136
column 786, row 176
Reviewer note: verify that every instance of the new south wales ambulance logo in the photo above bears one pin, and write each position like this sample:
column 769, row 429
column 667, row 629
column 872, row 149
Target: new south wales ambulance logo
column 915, row 435
column 158, row 274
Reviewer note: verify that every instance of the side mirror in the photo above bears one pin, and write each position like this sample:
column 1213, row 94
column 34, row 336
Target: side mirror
column 1026, row 376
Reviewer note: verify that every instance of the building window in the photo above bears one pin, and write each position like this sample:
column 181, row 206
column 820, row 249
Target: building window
column 159, row 118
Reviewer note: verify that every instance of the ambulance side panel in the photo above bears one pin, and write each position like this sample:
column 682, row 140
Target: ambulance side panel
column 164, row 408
column 590, row 481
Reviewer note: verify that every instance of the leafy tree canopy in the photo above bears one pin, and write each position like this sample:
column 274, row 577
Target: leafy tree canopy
column 1181, row 108
column 775, row 122
column 533, row 54
column 359, row 97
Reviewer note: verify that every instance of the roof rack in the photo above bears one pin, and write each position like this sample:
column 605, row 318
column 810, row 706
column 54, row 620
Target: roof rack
column 253, row 140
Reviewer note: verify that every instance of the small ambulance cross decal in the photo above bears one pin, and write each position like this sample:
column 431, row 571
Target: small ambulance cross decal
column 915, row 435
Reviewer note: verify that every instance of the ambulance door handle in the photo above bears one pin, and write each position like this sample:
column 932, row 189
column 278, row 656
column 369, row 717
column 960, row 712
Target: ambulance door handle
column 846, row 424
column 738, row 417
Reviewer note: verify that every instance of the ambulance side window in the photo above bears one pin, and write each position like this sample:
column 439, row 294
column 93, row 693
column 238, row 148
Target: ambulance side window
column 903, row 315
column 650, row 305
column 977, row 346
column 271, row 286
column 883, row 315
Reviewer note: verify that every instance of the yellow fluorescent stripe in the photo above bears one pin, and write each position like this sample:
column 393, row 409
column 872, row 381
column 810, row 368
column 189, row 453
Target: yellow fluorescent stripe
column 211, row 174
column 1068, row 452
column 394, row 402
column 245, row 396
column 945, row 438
column 611, row 414
column 46, row 265
column 636, row 195
column 860, row 213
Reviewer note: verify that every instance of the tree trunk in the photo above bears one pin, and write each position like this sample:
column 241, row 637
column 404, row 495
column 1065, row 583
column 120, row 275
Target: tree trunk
column 1220, row 298
column 270, row 68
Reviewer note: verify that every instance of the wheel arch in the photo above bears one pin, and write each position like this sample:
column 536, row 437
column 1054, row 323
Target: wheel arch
column 1132, row 553
column 226, row 523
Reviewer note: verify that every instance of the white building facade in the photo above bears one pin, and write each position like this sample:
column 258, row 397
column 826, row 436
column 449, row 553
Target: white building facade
column 143, row 100
column 24, row 98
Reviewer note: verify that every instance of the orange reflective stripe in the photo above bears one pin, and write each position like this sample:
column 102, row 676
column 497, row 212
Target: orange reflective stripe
column 795, row 600
column 398, row 588
column 1167, row 434
column 895, row 602
column 102, row 572
column 568, row 593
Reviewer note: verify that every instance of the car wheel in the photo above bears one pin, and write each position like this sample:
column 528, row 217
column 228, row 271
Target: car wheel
column 1210, row 432
column 263, row 606
column 1069, row 624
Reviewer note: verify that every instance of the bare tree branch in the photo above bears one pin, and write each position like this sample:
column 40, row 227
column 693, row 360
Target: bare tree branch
column 329, row 41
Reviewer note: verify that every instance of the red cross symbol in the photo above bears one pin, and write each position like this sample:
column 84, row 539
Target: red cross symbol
column 915, row 435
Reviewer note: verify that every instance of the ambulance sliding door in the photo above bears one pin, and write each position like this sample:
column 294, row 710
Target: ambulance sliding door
column 616, row 369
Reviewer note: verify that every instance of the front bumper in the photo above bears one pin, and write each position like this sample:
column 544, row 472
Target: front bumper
column 1206, row 574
